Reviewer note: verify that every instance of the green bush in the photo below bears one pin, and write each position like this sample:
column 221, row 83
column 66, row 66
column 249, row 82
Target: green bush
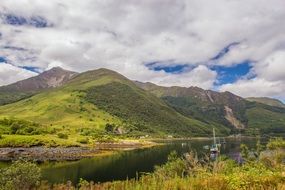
column 105, row 139
column 276, row 143
column 21, row 141
column 110, row 127
column 20, row 175
column 21, row 127
column 62, row 136
column 173, row 168
column 83, row 140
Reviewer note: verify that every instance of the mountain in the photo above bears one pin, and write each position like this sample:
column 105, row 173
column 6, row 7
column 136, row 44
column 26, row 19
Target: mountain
column 95, row 98
column 54, row 77
column 267, row 101
column 92, row 101
column 225, row 108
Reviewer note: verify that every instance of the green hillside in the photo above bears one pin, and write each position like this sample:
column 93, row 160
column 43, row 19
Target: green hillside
column 266, row 119
column 267, row 101
column 226, row 109
column 7, row 97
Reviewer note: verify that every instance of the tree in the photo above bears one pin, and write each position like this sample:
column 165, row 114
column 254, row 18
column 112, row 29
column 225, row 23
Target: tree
column 109, row 127
column 20, row 175
column 15, row 127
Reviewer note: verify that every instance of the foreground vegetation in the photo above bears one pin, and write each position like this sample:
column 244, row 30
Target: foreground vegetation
column 262, row 169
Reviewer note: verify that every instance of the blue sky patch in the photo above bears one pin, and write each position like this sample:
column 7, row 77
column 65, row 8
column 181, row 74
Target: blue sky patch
column 15, row 20
column 2, row 60
column 161, row 66
column 233, row 73
column 226, row 74
column 36, row 21
column 15, row 48
column 33, row 69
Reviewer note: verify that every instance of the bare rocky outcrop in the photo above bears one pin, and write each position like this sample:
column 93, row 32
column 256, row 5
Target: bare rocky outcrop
column 232, row 119
column 48, row 79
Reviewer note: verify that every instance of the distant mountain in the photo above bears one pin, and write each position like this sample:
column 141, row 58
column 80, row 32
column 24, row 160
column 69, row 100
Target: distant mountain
column 91, row 100
column 54, row 77
column 224, row 108
column 267, row 101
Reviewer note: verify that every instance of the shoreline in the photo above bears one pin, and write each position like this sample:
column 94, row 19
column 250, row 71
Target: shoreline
column 60, row 153
column 42, row 153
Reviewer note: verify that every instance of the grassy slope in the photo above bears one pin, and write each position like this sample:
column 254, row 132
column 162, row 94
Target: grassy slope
column 267, row 101
column 267, row 119
column 9, row 97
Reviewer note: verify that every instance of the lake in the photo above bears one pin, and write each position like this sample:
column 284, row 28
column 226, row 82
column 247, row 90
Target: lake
column 131, row 163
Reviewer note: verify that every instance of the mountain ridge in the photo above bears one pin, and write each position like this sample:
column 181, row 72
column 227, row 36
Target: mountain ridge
column 52, row 78
column 106, row 96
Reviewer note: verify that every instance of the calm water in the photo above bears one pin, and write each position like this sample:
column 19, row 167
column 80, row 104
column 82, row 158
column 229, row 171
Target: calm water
column 128, row 164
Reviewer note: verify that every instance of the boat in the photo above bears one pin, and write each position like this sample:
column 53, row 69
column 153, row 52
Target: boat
column 214, row 150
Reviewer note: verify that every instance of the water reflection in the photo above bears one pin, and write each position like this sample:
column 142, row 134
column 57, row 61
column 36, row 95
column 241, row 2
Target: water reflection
column 129, row 164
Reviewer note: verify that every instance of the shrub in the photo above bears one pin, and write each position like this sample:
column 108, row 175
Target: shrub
column 21, row 127
column 276, row 143
column 109, row 127
column 106, row 139
column 20, row 175
column 174, row 167
column 62, row 136
column 21, row 141
column 83, row 140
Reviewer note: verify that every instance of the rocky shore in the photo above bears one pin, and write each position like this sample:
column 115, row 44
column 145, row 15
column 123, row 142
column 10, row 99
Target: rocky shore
column 43, row 153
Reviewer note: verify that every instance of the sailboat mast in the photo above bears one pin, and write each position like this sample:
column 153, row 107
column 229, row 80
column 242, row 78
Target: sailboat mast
column 214, row 136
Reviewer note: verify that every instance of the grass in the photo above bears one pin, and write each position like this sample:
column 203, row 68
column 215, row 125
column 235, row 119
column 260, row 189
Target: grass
column 37, row 140
column 58, row 108
column 266, row 121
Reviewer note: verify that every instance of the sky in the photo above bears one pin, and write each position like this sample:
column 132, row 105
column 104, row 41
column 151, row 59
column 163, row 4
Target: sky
column 223, row 45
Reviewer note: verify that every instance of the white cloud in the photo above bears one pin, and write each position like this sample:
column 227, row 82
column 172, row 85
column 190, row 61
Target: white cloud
column 10, row 74
column 269, row 80
column 273, row 67
column 256, row 88
column 124, row 35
